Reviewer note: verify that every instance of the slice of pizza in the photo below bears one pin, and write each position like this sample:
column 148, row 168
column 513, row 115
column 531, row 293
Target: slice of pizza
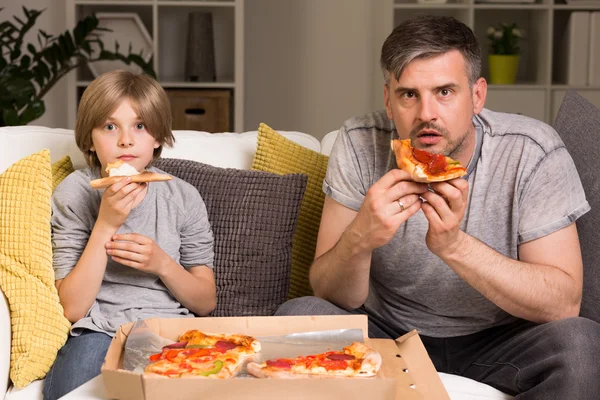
column 118, row 169
column 356, row 360
column 424, row 166
column 201, row 354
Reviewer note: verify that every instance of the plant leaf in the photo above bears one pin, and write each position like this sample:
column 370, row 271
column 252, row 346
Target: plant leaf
column 32, row 112
column 25, row 61
column 11, row 118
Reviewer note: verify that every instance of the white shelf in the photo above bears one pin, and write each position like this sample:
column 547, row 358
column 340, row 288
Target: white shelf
column 166, row 21
column 197, row 3
column 519, row 6
column 444, row 6
column 537, row 92
column 199, row 85
column 113, row 3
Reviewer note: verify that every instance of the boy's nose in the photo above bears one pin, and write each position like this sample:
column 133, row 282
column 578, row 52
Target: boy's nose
column 125, row 140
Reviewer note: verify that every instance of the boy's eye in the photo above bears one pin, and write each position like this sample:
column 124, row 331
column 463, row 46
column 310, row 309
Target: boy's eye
column 110, row 127
column 140, row 126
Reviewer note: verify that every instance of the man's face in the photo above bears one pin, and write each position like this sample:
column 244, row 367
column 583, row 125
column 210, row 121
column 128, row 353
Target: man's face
column 433, row 105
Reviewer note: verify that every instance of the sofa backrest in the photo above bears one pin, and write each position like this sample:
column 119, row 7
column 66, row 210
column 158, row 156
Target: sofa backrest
column 230, row 150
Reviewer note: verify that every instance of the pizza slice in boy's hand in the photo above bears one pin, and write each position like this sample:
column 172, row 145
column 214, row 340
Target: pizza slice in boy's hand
column 118, row 169
column 356, row 360
column 200, row 354
column 423, row 166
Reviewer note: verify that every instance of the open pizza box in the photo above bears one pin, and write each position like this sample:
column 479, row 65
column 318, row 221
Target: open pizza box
column 406, row 372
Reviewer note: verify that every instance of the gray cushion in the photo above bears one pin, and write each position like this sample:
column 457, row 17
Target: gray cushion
column 578, row 124
column 253, row 216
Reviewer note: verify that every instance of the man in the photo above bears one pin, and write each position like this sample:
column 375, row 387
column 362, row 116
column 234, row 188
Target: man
column 488, row 268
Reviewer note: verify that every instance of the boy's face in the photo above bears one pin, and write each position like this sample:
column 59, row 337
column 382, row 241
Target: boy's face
column 433, row 105
column 123, row 136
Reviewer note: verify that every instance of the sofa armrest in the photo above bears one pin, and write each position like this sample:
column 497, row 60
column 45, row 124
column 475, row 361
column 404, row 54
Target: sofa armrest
column 4, row 344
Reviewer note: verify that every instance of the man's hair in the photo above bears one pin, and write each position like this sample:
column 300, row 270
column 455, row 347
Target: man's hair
column 104, row 95
column 425, row 36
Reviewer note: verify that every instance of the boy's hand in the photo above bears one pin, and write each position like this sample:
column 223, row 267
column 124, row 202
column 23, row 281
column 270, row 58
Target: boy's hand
column 118, row 200
column 139, row 252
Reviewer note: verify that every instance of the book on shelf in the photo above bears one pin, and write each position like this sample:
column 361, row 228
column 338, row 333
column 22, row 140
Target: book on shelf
column 594, row 53
column 574, row 50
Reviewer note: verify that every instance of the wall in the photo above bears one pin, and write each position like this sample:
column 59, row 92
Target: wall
column 310, row 64
column 52, row 20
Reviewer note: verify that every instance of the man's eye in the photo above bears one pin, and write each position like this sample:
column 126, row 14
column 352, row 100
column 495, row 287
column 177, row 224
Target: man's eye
column 140, row 127
column 445, row 92
column 409, row 95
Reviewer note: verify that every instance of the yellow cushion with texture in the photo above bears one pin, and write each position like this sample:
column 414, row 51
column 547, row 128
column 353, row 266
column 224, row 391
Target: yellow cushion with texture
column 280, row 155
column 60, row 170
column 38, row 325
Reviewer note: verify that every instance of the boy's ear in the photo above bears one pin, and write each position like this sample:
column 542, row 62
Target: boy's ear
column 156, row 144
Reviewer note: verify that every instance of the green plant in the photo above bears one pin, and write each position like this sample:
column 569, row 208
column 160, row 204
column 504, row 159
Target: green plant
column 28, row 72
column 504, row 38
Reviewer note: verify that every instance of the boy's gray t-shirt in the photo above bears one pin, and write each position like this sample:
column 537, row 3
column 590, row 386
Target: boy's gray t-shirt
column 172, row 214
column 523, row 185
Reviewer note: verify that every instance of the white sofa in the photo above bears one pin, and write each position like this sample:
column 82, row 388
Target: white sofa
column 230, row 150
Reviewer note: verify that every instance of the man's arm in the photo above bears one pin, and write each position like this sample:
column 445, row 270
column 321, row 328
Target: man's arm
column 545, row 284
column 340, row 273
column 347, row 238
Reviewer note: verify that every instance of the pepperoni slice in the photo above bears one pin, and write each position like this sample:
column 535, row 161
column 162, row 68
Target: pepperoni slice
column 340, row 356
column 436, row 163
column 333, row 365
column 224, row 346
column 281, row 364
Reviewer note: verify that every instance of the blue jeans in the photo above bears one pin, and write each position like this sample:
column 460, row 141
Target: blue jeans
column 78, row 361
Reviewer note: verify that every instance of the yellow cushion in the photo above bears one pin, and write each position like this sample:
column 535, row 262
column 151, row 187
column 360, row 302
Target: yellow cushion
column 39, row 328
column 60, row 170
column 280, row 155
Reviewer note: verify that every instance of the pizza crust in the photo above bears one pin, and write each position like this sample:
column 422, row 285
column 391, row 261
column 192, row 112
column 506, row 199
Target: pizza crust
column 370, row 365
column 145, row 176
column 404, row 158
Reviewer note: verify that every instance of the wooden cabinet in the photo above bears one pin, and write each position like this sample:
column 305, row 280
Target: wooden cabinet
column 201, row 110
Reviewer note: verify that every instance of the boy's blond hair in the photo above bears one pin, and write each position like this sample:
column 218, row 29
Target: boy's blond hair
column 106, row 92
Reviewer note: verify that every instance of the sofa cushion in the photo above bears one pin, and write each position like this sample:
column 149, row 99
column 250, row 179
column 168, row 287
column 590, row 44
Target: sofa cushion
column 578, row 124
column 277, row 154
column 38, row 326
column 253, row 217
column 60, row 170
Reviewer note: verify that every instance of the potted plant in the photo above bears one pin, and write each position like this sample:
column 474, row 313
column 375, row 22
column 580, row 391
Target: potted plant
column 28, row 72
column 504, row 52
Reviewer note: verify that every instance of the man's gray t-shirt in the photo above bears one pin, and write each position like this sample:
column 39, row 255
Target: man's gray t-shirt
column 523, row 185
column 172, row 214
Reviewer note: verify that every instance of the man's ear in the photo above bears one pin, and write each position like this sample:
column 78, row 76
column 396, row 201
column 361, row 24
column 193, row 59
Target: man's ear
column 386, row 99
column 479, row 95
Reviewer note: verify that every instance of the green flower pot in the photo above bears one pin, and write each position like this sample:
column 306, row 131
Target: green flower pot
column 503, row 68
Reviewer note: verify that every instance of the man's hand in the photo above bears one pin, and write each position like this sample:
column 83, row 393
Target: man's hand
column 388, row 203
column 139, row 252
column 444, row 209
column 117, row 202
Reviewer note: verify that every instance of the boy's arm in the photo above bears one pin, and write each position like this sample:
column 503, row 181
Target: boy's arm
column 194, row 288
column 78, row 290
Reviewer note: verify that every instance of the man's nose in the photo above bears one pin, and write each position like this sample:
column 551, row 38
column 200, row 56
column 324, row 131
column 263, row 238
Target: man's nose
column 427, row 109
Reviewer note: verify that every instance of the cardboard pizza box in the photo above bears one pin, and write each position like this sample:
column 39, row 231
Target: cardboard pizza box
column 406, row 373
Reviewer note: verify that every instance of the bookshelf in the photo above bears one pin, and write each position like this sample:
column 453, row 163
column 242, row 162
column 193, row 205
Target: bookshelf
column 539, row 89
column 166, row 21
